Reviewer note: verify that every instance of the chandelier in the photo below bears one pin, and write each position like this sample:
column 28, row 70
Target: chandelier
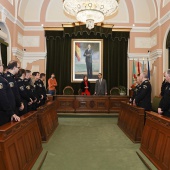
column 90, row 11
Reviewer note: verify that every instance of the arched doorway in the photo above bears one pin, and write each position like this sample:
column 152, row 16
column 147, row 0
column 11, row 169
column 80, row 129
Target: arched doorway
column 168, row 47
column 5, row 43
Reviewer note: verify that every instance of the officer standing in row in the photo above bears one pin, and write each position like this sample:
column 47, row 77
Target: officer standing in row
column 7, row 101
column 23, row 93
column 13, row 68
column 164, row 105
column 39, row 88
column 143, row 97
column 136, row 89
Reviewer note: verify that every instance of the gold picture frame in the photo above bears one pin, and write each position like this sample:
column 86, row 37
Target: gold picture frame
column 86, row 59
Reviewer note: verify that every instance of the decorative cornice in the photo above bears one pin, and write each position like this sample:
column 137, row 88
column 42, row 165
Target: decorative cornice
column 17, row 52
column 155, row 54
column 36, row 55
column 152, row 56
column 7, row 14
column 33, row 28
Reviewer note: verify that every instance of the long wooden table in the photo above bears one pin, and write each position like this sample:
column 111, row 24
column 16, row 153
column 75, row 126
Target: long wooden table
column 131, row 121
column 79, row 104
column 155, row 142
column 20, row 143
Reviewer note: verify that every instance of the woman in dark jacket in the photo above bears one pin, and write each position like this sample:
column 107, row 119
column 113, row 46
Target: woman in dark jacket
column 85, row 86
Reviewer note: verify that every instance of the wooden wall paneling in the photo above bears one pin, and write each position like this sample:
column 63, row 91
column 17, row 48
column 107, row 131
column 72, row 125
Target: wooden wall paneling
column 131, row 121
column 91, row 104
column 20, row 143
column 155, row 143
column 115, row 103
column 47, row 120
column 65, row 103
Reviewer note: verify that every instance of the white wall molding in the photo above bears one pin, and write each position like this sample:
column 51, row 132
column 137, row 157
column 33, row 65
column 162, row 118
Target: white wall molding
column 152, row 56
column 30, row 57
column 140, row 29
column 3, row 35
column 17, row 52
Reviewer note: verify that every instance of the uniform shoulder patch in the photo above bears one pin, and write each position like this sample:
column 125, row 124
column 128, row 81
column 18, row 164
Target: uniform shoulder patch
column 144, row 86
column 22, row 88
column 28, row 87
column 1, row 86
column 11, row 84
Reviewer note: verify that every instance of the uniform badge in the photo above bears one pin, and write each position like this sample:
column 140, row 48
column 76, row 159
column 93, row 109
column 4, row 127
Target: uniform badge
column 144, row 86
column 22, row 88
column 28, row 87
column 8, row 75
column 40, row 85
column 11, row 84
column 1, row 86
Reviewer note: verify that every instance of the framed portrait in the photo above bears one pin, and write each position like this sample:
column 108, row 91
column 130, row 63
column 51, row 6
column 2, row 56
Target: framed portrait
column 87, row 59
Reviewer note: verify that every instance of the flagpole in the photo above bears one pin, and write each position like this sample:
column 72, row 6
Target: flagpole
column 148, row 65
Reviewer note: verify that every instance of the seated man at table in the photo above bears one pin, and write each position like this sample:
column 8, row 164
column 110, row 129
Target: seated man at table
column 164, row 105
column 143, row 97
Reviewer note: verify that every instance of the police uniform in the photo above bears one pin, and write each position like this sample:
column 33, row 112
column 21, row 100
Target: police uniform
column 165, row 101
column 164, row 84
column 30, row 92
column 135, row 91
column 24, row 96
column 12, row 82
column 7, row 102
column 40, row 90
column 143, row 97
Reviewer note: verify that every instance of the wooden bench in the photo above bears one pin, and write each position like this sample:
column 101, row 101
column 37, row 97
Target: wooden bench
column 47, row 120
column 155, row 143
column 131, row 121
column 20, row 143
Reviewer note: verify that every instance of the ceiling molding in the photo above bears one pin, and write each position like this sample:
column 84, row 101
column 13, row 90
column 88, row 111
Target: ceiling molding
column 151, row 56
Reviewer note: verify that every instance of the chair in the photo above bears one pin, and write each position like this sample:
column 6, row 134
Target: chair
column 79, row 92
column 68, row 90
column 115, row 91
column 155, row 103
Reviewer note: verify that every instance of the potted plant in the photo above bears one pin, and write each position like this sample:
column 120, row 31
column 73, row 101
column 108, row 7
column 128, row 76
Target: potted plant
column 122, row 90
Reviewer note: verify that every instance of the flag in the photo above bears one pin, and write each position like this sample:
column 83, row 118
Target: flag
column 143, row 66
column 138, row 67
column 148, row 70
column 78, row 51
column 134, row 72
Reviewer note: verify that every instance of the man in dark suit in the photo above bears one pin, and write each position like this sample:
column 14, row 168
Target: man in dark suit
column 88, row 54
column 100, row 86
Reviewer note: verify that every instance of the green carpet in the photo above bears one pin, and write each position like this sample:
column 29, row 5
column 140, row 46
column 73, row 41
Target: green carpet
column 90, row 144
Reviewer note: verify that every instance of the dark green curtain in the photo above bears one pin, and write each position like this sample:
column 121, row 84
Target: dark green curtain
column 4, row 54
column 114, row 55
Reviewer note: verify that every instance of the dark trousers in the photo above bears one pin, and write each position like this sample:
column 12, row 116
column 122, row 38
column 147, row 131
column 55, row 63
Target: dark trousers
column 4, row 118
column 89, row 69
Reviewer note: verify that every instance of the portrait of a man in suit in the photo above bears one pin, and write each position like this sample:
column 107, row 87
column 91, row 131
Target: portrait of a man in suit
column 100, row 86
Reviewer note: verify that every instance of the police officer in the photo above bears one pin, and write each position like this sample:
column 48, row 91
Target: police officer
column 164, row 105
column 13, row 68
column 143, row 97
column 39, row 86
column 23, row 93
column 7, row 101
column 30, row 89
column 137, row 87
column 164, row 84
